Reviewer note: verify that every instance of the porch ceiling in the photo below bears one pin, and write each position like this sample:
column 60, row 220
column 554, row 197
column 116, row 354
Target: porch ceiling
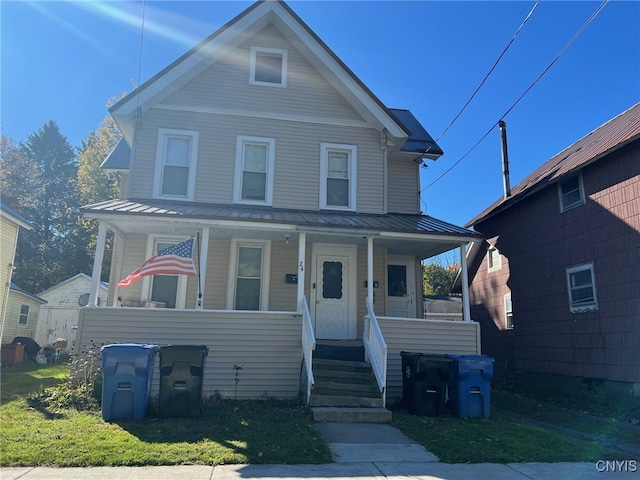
column 418, row 235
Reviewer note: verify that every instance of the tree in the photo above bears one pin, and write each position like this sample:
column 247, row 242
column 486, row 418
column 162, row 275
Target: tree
column 438, row 280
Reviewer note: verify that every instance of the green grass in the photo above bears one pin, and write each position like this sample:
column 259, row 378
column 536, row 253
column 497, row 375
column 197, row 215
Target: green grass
column 34, row 432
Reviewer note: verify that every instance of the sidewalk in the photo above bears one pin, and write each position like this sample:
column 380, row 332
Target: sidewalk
column 359, row 450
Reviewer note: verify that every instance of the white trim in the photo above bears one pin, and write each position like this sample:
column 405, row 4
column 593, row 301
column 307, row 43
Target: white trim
column 287, row 117
column 233, row 269
column 275, row 52
column 586, row 307
column 20, row 314
column 352, row 150
column 270, row 143
column 577, row 204
column 147, row 284
column 163, row 135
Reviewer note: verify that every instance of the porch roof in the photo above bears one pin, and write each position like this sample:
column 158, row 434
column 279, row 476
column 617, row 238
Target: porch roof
column 411, row 229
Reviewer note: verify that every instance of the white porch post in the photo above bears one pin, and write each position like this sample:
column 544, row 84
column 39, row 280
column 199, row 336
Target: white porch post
column 302, row 245
column 97, row 264
column 202, row 270
column 370, row 268
column 466, row 312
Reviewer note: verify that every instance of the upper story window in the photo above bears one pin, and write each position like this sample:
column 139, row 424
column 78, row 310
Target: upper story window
column 255, row 158
column 268, row 66
column 338, row 176
column 582, row 288
column 571, row 193
column 494, row 260
column 508, row 312
column 176, row 155
column 24, row 315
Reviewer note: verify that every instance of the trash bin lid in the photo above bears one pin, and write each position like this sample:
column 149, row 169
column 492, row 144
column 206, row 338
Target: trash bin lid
column 187, row 348
column 130, row 346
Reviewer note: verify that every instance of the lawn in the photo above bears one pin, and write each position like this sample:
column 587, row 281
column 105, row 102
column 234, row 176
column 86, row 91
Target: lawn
column 36, row 432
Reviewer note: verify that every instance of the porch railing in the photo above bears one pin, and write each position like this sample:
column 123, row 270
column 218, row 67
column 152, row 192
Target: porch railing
column 376, row 349
column 308, row 343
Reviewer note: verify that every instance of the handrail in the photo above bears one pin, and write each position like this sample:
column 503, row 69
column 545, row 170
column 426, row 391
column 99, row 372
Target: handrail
column 308, row 343
column 376, row 349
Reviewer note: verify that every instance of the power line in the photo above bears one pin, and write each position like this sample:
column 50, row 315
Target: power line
column 573, row 39
column 490, row 71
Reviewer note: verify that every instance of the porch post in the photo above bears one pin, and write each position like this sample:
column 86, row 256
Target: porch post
column 97, row 264
column 370, row 269
column 302, row 245
column 202, row 271
column 466, row 312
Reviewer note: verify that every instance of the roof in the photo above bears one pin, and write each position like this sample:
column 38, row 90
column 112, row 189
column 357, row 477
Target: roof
column 16, row 217
column 419, row 139
column 607, row 138
column 17, row 289
column 103, row 285
column 119, row 158
column 405, row 223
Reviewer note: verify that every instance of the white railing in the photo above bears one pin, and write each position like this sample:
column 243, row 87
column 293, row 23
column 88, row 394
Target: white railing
column 376, row 349
column 308, row 343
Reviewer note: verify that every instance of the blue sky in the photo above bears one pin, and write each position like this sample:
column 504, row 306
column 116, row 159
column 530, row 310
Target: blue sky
column 62, row 61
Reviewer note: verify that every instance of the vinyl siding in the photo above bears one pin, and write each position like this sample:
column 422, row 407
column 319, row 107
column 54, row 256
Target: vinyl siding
column 423, row 336
column 12, row 328
column 266, row 344
column 8, row 236
column 403, row 187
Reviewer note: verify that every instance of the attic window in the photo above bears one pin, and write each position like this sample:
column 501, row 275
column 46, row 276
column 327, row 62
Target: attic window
column 268, row 66
column 571, row 193
column 494, row 260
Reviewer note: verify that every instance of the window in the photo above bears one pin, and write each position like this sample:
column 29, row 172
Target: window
column 249, row 274
column 338, row 176
column 508, row 312
column 171, row 290
column 571, row 193
column 24, row 315
column 268, row 66
column 255, row 158
column 582, row 288
column 494, row 260
column 176, row 155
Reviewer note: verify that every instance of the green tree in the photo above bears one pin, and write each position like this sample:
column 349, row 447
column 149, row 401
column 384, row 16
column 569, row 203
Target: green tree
column 438, row 280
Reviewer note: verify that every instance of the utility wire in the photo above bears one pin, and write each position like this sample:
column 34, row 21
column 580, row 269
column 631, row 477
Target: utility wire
column 573, row 39
column 486, row 77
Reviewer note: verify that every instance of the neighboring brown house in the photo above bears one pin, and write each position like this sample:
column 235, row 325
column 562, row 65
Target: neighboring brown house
column 556, row 285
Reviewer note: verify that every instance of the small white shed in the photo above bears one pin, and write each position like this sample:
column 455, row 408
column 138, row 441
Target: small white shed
column 59, row 317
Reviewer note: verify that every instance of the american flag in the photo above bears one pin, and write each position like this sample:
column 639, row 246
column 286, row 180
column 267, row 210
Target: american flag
column 174, row 260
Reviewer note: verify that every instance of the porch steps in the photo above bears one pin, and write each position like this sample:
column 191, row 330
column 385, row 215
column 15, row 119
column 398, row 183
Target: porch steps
column 346, row 391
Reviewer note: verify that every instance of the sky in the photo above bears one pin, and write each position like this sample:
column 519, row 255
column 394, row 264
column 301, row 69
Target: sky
column 63, row 61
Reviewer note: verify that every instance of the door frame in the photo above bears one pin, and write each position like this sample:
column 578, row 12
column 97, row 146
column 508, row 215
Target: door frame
column 350, row 251
column 412, row 284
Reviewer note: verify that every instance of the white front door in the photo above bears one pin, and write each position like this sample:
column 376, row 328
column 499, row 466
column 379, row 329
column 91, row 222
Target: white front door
column 401, row 288
column 333, row 292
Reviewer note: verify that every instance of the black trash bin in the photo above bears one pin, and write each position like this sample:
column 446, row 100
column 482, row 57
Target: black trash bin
column 181, row 372
column 424, row 383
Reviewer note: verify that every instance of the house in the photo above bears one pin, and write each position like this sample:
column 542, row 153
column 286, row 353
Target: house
column 556, row 285
column 59, row 317
column 302, row 188
column 22, row 312
column 10, row 225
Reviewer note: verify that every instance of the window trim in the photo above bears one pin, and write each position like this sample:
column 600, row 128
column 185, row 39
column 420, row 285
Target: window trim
column 508, row 325
column 236, row 243
column 241, row 140
column 497, row 266
column 163, row 134
column 252, row 66
column 147, row 283
column 587, row 307
column 325, row 148
column 565, row 208
column 24, row 315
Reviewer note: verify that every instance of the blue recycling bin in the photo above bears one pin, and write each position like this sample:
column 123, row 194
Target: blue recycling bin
column 470, row 385
column 126, row 383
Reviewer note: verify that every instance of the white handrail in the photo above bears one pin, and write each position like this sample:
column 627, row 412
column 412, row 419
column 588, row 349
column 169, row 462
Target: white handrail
column 308, row 343
column 376, row 349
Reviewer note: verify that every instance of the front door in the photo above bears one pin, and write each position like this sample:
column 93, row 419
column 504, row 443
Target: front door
column 333, row 292
column 401, row 288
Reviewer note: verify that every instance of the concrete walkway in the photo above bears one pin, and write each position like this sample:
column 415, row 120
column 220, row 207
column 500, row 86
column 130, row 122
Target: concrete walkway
column 363, row 451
